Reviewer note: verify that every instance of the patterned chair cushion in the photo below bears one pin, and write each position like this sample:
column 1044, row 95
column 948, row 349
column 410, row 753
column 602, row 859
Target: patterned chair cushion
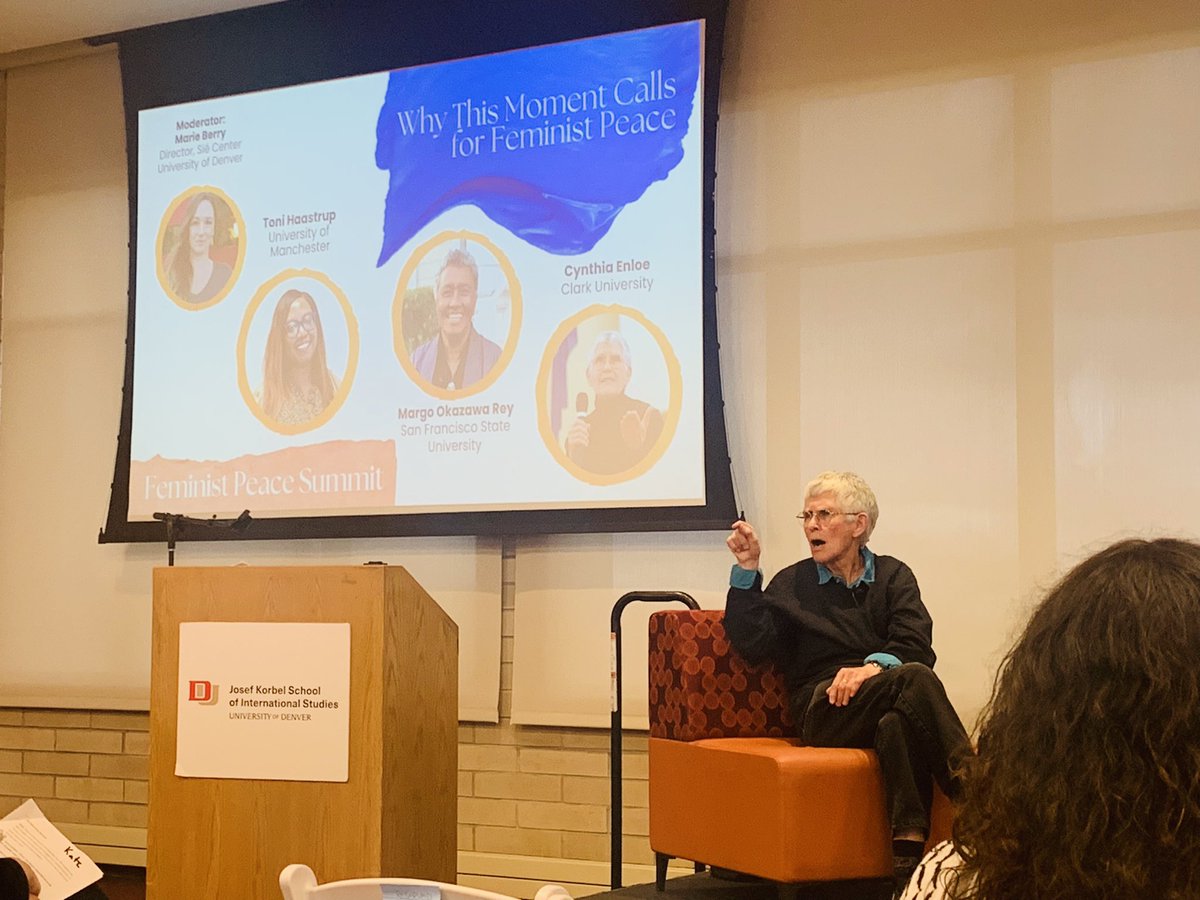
column 701, row 688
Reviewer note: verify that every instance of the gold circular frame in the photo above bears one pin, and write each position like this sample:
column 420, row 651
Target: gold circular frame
column 160, row 263
column 514, row 327
column 670, row 418
column 351, row 354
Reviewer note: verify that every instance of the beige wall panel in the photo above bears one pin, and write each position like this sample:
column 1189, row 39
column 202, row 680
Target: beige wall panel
column 1126, row 135
column 1127, row 372
column 837, row 42
column 564, row 593
column 66, row 230
column 747, row 182
column 908, row 162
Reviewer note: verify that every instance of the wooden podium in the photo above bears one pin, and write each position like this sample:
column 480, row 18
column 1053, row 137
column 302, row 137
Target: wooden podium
column 218, row 838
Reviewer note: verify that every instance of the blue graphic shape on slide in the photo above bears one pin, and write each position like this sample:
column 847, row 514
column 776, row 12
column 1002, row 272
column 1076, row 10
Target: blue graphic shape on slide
column 551, row 142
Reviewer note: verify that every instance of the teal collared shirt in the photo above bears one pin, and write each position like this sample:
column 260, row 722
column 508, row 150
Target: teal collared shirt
column 867, row 576
column 745, row 578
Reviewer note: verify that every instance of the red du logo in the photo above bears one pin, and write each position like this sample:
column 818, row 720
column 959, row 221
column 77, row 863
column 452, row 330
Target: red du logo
column 203, row 692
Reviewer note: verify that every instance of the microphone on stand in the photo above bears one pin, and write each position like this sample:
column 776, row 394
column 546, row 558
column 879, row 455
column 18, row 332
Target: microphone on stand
column 177, row 522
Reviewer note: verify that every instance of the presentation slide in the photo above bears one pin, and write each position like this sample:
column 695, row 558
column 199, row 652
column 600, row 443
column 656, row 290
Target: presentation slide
column 473, row 285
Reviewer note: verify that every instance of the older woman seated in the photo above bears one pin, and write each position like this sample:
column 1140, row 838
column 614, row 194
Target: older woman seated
column 849, row 631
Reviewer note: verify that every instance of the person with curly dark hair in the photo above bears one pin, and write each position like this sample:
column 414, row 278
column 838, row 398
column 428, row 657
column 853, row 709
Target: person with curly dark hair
column 1087, row 778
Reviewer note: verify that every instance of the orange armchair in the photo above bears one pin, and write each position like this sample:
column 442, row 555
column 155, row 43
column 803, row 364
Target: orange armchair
column 730, row 788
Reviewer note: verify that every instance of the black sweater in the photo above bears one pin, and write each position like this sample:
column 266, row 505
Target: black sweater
column 810, row 630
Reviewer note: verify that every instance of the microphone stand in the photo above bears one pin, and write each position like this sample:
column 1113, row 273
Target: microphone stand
column 176, row 523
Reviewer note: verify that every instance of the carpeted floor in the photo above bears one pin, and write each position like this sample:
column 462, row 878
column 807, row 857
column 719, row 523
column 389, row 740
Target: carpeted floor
column 123, row 882
column 706, row 887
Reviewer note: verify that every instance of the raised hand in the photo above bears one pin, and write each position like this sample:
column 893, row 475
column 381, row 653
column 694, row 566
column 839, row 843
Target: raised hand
column 743, row 544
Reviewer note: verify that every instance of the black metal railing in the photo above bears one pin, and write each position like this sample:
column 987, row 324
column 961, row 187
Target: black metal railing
column 614, row 766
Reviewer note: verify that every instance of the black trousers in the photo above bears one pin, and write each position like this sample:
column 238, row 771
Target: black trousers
column 904, row 715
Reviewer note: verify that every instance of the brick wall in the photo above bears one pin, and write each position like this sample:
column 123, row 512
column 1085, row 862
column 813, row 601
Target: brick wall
column 523, row 792
column 81, row 767
column 535, row 792
column 545, row 792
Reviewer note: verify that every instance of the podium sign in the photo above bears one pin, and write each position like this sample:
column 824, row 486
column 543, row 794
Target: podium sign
column 264, row 700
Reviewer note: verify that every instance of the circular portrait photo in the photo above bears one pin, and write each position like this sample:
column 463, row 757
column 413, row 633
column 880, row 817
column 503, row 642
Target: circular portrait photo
column 456, row 314
column 201, row 246
column 297, row 351
column 610, row 392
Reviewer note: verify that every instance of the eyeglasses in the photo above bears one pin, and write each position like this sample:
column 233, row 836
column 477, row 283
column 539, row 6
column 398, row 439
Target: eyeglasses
column 307, row 322
column 823, row 515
